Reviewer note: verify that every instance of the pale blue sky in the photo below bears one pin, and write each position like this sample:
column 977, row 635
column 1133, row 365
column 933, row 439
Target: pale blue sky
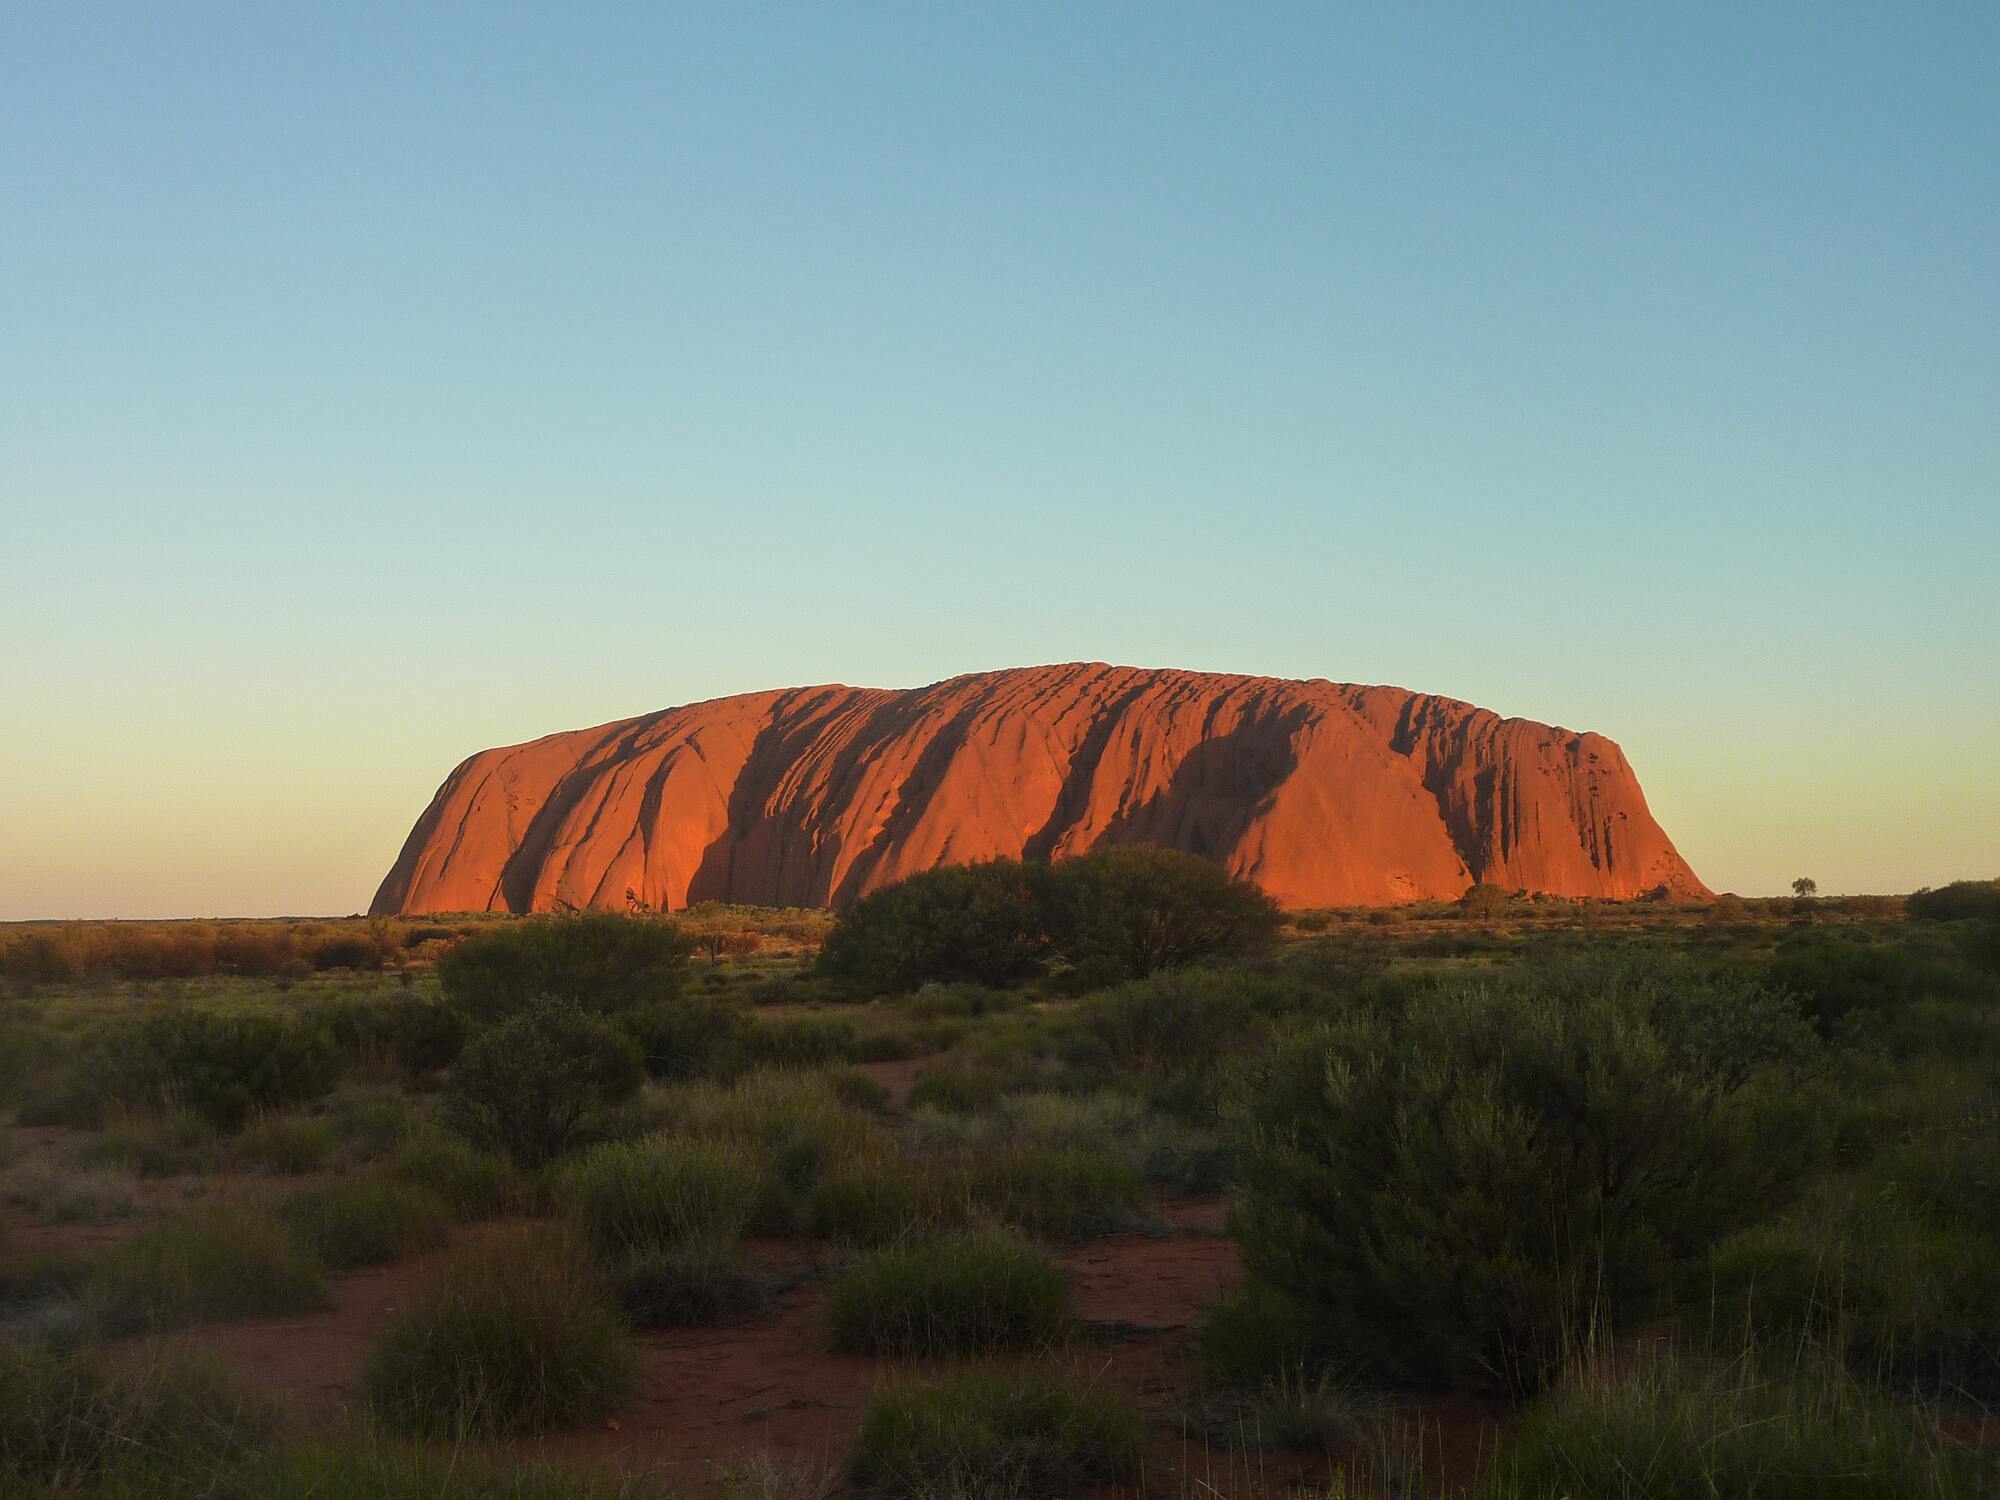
column 378, row 383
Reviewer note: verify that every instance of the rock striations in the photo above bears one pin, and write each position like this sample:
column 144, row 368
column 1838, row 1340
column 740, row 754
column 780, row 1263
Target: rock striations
column 1323, row 793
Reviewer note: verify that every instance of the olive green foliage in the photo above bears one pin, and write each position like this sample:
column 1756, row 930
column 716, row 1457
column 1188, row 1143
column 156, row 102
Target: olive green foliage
column 515, row 1336
column 472, row 1182
column 286, row 1144
column 1486, row 900
column 980, row 923
column 1958, row 901
column 212, row 1264
column 1123, row 913
column 399, row 1033
column 982, row 1436
column 1679, row 1431
column 367, row 1219
column 594, row 962
column 1464, row 1191
column 536, row 1085
column 166, row 1144
column 686, row 1038
column 1842, row 981
column 966, row 1293
column 221, row 1066
column 379, row 1470
column 644, row 1195
column 686, row 1283
column 155, row 1424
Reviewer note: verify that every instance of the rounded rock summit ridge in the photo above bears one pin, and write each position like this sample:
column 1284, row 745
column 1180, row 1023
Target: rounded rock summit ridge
column 1324, row 793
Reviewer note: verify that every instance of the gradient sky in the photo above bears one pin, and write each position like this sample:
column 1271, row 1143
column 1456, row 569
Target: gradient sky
column 378, row 383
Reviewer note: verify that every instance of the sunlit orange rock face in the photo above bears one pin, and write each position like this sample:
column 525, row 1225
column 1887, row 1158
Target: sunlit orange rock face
column 1323, row 793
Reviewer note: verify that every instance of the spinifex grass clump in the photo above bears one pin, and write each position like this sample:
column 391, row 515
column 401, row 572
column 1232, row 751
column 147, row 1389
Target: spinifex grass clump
column 957, row 1294
column 154, row 1423
column 539, row 1083
column 1679, row 1430
column 213, row 1264
column 368, row 1219
column 515, row 1336
column 994, row 1437
column 640, row 1195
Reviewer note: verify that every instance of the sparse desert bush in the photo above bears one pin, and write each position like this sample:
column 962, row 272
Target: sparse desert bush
column 1485, row 900
column 537, row 1085
column 221, row 1066
column 156, row 1423
column 596, row 963
column 1177, row 1021
column 797, row 1121
column 645, row 1195
column 994, row 1437
column 1956, row 902
column 1842, row 981
column 168, row 1144
column 967, row 1293
column 515, row 1336
column 1253, row 1335
column 1123, row 913
column 686, row 1283
column 368, row 1219
column 368, row 1468
column 286, row 1145
column 796, row 1042
column 1064, row 1192
column 64, row 1195
column 979, row 923
column 1676, row 1430
column 960, row 1087
column 392, row 1034
column 688, row 1037
column 880, row 1202
column 221, row 1262
column 473, row 1183
column 369, row 1119
column 1461, row 1192
column 935, row 1001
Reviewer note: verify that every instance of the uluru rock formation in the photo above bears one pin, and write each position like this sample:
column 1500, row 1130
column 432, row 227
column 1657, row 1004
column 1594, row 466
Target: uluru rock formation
column 1325, row 794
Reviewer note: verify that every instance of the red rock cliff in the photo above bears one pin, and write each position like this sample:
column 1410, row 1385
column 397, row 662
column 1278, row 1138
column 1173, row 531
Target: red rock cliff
column 1323, row 793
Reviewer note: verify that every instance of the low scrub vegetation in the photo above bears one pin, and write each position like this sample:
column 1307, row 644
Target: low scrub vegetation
column 201, row 1266
column 367, row 1219
column 514, row 1337
column 995, row 1437
column 539, row 1084
column 605, row 965
column 955, row 1294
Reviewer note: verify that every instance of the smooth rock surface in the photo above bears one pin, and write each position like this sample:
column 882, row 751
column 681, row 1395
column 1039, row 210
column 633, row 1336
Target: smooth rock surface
column 1325, row 794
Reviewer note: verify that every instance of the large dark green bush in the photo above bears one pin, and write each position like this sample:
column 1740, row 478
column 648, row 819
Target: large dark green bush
column 979, row 923
column 598, row 963
column 1123, row 913
column 1957, row 901
column 1842, row 981
column 402, row 1032
column 688, row 1037
column 535, row 1085
column 1463, row 1192
column 221, row 1066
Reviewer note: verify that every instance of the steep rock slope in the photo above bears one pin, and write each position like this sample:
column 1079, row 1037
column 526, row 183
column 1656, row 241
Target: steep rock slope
column 1326, row 794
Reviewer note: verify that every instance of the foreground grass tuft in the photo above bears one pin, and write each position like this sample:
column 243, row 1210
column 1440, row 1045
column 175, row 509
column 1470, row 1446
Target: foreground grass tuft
column 368, row 1220
column 513, row 1337
column 218, row 1263
column 958, row 1294
column 994, row 1437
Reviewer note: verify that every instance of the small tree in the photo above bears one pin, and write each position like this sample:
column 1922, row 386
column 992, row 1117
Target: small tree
column 1485, row 900
column 533, row 1085
column 595, row 961
column 1123, row 913
column 1805, row 888
column 978, row 922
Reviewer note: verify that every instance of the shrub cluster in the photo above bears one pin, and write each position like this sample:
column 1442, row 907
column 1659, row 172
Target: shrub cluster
column 537, row 1085
column 966, row 1293
column 595, row 962
column 1111, row 914
column 222, row 1066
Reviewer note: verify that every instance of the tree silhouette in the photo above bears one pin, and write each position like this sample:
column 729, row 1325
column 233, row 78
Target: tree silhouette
column 1805, row 887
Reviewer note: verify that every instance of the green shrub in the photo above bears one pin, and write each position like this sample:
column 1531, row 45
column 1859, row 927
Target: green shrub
column 797, row 1121
column 393, row 1033
column 514, row 1337
column 286, row 1145
column 880, row 1202
column 537, row 1085
column 685, row 1283
column 1123, row 913
column 367, row 1220
column 223, row 1067
column 995, row 1437
column 1066, row 1192
column 1843, row 980
column 597, row 963
column 980, row 923
column 472, row 1182
column 1254, row 1334
column 1462, row 1192
column 159, row 1423
column 959, row 1088
column 168, row 1144
column 1956, row 902
column 1678, row 1431
column 220, row 1262
column 796, row 1042
column 1176, row 1021
column 857, row 1090
column 371, row 1469
column 957, row 1294
column 689, row 1037
column 649, row 1194
column 369, row 1119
